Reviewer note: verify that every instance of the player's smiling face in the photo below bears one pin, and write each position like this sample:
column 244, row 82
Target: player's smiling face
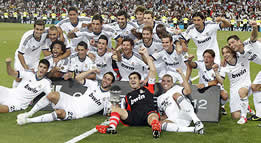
column 234, row 44
column 139, row 15
column 57, row 50
column 167, row 82
column 82, row 52
column 208, row 59
column 96, row 26
column 102, row 46
column 148, row 20
column 42, row 70
column 134, row 81
column 146, row 36
column 106, row 81
column 167, row 44
column 127, row 48
column 227, row 53
column 122, row 21
column 73, row 15
column 198, row 22
column 52, row 35
column 38, row 31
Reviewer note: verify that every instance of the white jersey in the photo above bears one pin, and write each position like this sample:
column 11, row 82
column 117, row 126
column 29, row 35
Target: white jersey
column 104, row 64
column 156, row 46
column 67, row 26
column 171, row 61
column 253, row 51
column 77, row 65
column 207, row 39
column 63, row 64
column 108, row 32
column 135, row 22
column 129, row 65
column 30, row 48
column 238, row 74
column 205, row 75
column 93, row 100
column 30, row 87
column 48, row 43
column 125, row 32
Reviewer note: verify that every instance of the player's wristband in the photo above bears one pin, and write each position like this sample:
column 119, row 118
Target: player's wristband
column 206, row 84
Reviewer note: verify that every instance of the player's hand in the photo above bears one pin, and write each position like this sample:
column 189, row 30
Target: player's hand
column 215, row 67
column 91, row 56
column 66, row 76
column 56, row 60
column 218, row 19
column 8, row 60
column 55, row 69
column 92, row 42
column 179, row 70
column 223, row 63
column 95, row 69
column 200, row 86
column 119, row 40
column 71, row 35
column 75, row 30
column 179, row 49
column 143, row 51
column 190, row 58
column 253, row 23
column 59, row 29
column 119, row 48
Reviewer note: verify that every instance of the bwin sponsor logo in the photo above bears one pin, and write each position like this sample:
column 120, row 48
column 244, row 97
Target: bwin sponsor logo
column 97, row 101
column 140, row 97
column 239, row 74
column 30, row 89
column 203, row 41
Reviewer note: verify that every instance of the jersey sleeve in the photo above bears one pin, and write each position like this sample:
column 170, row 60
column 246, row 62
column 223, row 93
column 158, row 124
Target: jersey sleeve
column 47, row 89
column 23, row 43
column 223, row 72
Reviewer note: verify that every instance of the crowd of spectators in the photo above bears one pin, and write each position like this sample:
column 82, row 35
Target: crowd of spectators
column 239, row 12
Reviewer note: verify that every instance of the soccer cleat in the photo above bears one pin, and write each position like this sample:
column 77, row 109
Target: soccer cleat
column 24, row 115
column 102, row 128
column 156, row 128
column 242, row 120
column 111, row 130
column 223, row 111
column 21, row 120
column 250, row 111
column 254, row 118
column 199, row 128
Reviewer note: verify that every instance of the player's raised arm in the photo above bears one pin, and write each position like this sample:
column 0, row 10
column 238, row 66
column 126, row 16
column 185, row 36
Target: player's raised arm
column 218, row 76
column 144, row 53
column 80, row 77
column 254, row 32
column 187, row 88
column 190, row 62
column 9, row 69
column 224, row 23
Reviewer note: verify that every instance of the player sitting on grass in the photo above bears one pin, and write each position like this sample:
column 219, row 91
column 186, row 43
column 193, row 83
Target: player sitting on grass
column 69, row 107
column 139, row 109
column 31, row 85
column 177, row 109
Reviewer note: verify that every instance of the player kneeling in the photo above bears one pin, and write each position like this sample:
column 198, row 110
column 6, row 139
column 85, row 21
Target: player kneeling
column 177, row 109
column 71, row 107
column 139, row 109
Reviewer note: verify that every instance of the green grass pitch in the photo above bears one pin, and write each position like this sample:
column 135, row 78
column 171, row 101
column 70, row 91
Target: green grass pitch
column 226, row 130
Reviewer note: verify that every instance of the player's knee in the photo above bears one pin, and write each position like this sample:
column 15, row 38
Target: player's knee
column 60, row 113
column 243, row 92
column 224, row 95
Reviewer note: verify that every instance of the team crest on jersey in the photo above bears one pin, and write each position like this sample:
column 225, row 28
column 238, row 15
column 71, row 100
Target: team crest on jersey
column 30, row 80
column 164, row 58
column 132, row 63
column 62, row 68
column 207, row 33
column 86, row 65
column 141, row 91
column 242, row 64
column 40, row 86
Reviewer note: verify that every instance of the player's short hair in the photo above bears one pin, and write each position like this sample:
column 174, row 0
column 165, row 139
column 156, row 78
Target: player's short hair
column 229, row 48
column 122, row 12
column 104, row 38
column 97, row 17
column 133, row 73
column 148, row 28
column 45, row 62
column 233, row 37
column 198, row 14
column 210, row 51
column 73, row 9
column 84, row 44
column 39, row 22
column 149, row 12
column 168, row 75
column 128, row 40
column 167, row 35
column 52, row 28
column 140, row 9
column 112, row 75
column 60, row 43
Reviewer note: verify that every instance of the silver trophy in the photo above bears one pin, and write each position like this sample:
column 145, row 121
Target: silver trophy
column 115, row 95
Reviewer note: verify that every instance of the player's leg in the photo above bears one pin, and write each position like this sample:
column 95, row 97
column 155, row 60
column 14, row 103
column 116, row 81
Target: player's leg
column 243, row 93
column 256, row 88
column 153, row 121
column 170, row 126
column 4, row 109
column 4, row 94
column 224, row 97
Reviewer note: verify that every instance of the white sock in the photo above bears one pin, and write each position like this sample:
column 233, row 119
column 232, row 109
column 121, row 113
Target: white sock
column 244, row 106
column 172, row 127
column 15, row 84
column 223, row 102
column 43, row 118
column 186, row 106
column 257, row 102
column 43, row 102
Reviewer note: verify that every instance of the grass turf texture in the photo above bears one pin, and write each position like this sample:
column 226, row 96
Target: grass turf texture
column 226, row 130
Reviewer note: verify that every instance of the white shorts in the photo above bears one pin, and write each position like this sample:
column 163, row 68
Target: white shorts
column 8, row 98
column 68, row 104
column 234, row 101
column 257, row 79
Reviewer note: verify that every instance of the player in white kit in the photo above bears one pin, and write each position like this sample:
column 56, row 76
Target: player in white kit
column 69, row 107
column 250, row 48
column 177, row 109
column 237, row 69
column 204, row 34
column 31, row 85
